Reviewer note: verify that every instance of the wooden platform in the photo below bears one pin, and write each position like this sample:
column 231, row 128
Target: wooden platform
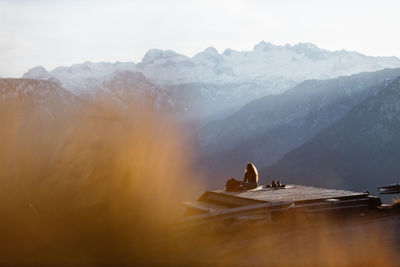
column 294, row 193
column 221, row 204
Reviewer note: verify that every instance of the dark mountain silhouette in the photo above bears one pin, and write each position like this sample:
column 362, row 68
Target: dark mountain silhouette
column 266, row 129
column 360, row 151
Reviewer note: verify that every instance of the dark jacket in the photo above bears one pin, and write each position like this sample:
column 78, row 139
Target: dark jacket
column 250, row 177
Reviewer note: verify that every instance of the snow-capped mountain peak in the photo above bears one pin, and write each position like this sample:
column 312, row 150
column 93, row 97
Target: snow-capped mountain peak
column 210, row 51
column 263, row 46
column 311, row 51
column 38, row 72
column 209, row 54
column 158, row 55
column 229, row 52
column 232, row 77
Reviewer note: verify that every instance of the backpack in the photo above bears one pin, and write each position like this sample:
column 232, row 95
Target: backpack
column 233, row 185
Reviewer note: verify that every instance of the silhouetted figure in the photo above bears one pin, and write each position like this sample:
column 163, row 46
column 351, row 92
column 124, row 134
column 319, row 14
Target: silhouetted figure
column 273, row 184
column 250, row 179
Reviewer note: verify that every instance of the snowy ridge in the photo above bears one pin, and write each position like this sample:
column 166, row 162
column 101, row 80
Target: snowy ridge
column 210, row 84
column 266, row 62
column 81, row 79
column 281, row 66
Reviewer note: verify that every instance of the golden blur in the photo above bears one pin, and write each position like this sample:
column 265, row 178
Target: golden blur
column 102, row 185
column 90, row 185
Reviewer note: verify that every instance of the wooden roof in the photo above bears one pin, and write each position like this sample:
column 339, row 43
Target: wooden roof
column 220, row 199
column 293, row 193
column 221, row 205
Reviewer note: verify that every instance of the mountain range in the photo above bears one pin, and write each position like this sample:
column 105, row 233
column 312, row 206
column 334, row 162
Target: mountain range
column 266, row 129
column 361, row 150
column 211, row 85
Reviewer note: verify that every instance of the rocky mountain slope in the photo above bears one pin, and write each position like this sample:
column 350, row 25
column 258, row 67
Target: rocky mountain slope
column 35, row 93
column 130, row 88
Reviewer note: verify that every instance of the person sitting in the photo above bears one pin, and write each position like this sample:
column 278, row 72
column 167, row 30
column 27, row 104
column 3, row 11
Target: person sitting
column 250, row 180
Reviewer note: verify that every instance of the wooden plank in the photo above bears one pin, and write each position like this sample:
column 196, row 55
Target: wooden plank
column 203, row 206
column 389, row 189
column 366, row 202
column 195, row 206
column 236, row 212
column 229, row 200
column 340, row 198
column 330, row 209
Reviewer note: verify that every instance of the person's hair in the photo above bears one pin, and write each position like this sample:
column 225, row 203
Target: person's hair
column 250, row 168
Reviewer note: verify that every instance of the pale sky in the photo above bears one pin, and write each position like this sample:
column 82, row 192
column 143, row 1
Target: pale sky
column 55, row 33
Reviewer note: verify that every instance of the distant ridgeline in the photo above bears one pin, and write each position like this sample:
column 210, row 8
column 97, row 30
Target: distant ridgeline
column 211, row 85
